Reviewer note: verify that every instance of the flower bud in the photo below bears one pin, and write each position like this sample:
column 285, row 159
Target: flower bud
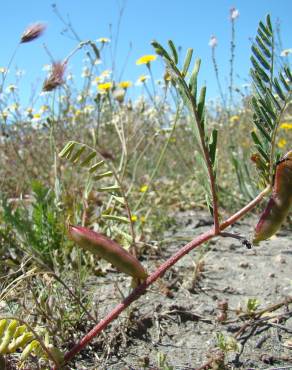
column 108, row 249
column 280, row 202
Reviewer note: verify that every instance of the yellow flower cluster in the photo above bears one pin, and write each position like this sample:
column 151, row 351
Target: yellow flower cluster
column 234, row 119
column 282, row 143
column 134, row 218
column 125, row 84
column 144, row 188
column 286, row 126
column 105, row 87
column 146, row 59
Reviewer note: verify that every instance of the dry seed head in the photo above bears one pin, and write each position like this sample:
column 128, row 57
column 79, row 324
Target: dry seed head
column 33, row 32
column 55, row 78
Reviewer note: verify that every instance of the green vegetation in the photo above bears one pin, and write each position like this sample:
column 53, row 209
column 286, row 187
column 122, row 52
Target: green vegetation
column 94, row 158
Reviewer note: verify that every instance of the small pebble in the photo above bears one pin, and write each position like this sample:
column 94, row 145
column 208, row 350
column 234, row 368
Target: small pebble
column 244, row 265
column 280, row 259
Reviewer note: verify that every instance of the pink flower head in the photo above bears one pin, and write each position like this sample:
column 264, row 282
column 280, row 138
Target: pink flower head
column 33, row 32
column 56, row 77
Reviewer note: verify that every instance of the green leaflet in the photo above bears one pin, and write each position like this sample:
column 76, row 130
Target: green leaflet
column 16, row 337
column 271, row 96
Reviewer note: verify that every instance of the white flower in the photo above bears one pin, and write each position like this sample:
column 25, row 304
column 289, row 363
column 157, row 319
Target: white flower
column 43, row 109
column 103, row 40
column 142, row 79
column 70, row 76
column 44, row 93
column 11, row 88
column 286, row 52
column 106, row 73
column 80, row 98
column 20, row 72
column 213, row 41
column 234, row 13
column 47, row 67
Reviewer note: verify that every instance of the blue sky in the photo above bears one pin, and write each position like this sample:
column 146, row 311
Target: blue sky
column 189, row 23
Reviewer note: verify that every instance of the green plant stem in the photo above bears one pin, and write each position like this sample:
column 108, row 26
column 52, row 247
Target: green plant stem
column 203, row 147
column 152, row 79
column 232, row 56
column 218, row 79
column 209, row 167
column 161, row 157
column 8, row 66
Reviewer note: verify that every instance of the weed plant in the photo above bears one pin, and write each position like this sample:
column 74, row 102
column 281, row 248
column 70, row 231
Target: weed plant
column 125, row 169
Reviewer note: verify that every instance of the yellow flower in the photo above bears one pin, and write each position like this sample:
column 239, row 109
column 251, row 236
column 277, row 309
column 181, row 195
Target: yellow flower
column 78, row 112
column 142, row 219
column 134, row 218
column 282, row 143
column 105, row 86
column 36, row 116
column 125, row 84
column 103, row 40
column 146, row 59
column 144, row 188
column 234, row 119
column 286, row 126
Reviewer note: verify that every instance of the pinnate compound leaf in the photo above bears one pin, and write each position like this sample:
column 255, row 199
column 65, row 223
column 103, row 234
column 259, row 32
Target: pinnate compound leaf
column 173, row 51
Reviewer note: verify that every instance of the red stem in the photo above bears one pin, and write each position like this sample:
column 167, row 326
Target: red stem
column 158, row 273
column 137, row 293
